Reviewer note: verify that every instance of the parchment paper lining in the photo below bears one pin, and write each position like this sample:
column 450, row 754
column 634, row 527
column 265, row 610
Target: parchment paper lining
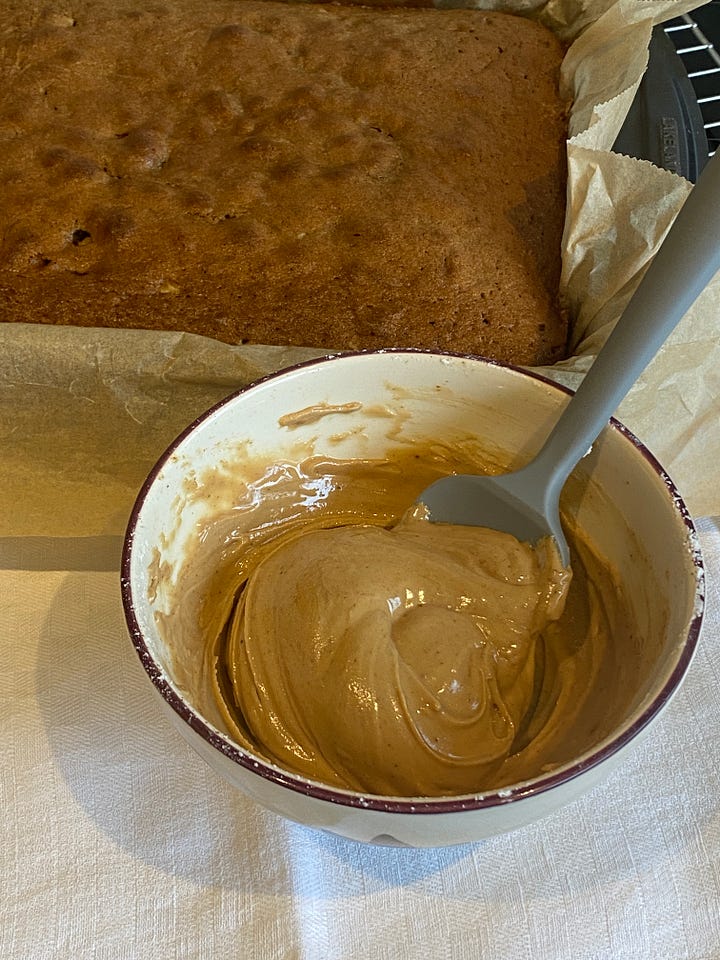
column 84, row 413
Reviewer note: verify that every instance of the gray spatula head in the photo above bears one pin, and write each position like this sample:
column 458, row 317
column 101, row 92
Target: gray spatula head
column 508, row 502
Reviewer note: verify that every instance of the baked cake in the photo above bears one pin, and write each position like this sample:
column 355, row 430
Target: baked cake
column 331, row 176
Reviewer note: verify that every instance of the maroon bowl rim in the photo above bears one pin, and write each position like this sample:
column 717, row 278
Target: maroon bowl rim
column 502, row 796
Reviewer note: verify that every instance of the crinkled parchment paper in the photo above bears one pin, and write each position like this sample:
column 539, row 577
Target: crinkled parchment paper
column 84, row 413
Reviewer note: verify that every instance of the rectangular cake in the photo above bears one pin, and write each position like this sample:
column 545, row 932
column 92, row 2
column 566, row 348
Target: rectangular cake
column 340, row 177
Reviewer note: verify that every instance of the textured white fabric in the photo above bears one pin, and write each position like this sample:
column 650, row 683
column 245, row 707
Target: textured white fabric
column 119, row 843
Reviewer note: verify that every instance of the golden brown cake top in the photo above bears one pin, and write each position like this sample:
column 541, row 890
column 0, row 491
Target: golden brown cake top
column 278, row 173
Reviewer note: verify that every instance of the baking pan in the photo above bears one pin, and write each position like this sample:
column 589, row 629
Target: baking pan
column 664, row 124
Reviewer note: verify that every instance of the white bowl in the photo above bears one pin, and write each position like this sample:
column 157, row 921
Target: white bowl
column 626, row 505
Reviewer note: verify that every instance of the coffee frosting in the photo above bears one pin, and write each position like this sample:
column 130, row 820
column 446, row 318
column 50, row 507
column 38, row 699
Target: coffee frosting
column 395, row 661
column 336, row 635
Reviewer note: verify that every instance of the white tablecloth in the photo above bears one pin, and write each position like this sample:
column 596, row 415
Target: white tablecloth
column 119, row 843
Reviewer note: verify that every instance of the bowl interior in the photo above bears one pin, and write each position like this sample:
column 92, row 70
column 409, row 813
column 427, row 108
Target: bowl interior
column 371, row 405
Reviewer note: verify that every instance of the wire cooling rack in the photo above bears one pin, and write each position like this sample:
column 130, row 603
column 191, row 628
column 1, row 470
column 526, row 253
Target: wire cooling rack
column 689, row 35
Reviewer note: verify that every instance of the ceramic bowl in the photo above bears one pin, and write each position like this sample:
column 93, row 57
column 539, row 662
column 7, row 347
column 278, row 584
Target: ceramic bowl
column 628, row 508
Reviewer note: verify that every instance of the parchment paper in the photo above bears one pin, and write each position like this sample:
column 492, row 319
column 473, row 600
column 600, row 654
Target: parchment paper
column 84, row 413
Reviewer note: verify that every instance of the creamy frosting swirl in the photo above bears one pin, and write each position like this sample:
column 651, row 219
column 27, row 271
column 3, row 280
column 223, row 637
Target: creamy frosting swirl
column 372, row 650
column 395, row 661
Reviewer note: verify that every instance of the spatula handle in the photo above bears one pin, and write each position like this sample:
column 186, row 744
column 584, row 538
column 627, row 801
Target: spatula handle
column 683, row 266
